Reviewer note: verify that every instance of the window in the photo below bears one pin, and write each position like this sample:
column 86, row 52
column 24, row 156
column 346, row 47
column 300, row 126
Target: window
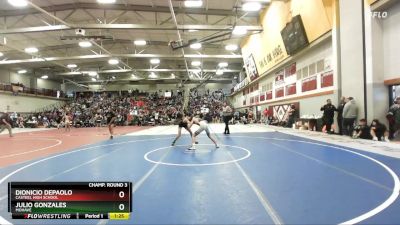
column 320, row 66
column 305, row 72
column 269, row 86
column 264, row 88
column 311, row 69
column 299, row 74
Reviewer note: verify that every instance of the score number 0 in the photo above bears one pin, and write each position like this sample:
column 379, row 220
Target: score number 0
column 121, row 206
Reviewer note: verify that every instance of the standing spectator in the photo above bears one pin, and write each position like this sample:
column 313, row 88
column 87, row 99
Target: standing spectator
column 379, row 131
column 5, row 123
column 291, row 116
column 329, row 113
column 394, row 119
column 340, row 114
column 227, row 116
column 266, row 115
column 111, row 117
column 350, row 112
column 236, row 115
column 20, row 121
column 250, row 116
column 67, row 121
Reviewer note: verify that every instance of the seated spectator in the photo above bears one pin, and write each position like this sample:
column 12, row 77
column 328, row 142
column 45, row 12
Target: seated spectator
column 32, row 122
column 46, row 122
column 275, row 121
column 362, row 130
column 379, row 131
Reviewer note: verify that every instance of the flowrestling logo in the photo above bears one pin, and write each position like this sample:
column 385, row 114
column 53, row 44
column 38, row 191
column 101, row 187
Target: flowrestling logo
column 380, row 15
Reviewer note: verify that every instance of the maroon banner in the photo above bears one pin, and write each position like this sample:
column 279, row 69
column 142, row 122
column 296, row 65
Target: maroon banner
column 309, row 84
column 262, row 98
column 279, row 92
column 291, row 89
column 290, row 70
column 269, row 95
column 279, row 77
column 327, row 79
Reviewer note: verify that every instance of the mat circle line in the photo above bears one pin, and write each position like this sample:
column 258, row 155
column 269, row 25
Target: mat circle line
column 248, row 154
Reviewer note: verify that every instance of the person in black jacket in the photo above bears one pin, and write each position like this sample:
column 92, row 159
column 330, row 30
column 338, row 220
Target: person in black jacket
column 362, row 130
column 340, row 114
column 329, row 113
column 379, row 131
column 292, row 115
column 5, row 123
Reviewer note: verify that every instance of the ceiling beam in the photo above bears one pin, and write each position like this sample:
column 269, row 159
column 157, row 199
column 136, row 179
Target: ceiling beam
column 148, row 70
column 157, row 81
column 109, row 42
column 126, row 26
column 123, row 7
column 162, row 56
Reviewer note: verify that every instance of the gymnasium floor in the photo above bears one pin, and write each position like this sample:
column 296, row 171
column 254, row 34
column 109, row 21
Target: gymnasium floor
column 258, row 176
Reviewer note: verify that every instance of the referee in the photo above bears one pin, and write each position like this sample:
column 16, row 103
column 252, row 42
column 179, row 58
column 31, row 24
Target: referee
column 227, row 116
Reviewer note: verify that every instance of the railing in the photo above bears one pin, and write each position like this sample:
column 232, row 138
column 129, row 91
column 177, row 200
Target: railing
column 17, row 88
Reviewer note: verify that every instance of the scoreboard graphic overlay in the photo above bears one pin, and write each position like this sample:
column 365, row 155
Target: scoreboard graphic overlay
column 70, row 200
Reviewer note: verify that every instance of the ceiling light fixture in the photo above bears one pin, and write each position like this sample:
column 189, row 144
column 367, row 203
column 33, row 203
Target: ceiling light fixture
column 31, row 50
column 196, row 63
column 219, row 72
column 85, row 44
column 18, row 3
column 193, row 3
column 22, row 71
column 222, row 64
column 72, row 66
column 113, row 61
column 231, row 47
column 192, row 30
column 195, row 46
column 239, row 30
column 153, row 75
column 196, row 71
column 44, row 77
column 92, row 73
column 155, row 61
column 251, row 6
column 140, row 42
column 106, row 1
